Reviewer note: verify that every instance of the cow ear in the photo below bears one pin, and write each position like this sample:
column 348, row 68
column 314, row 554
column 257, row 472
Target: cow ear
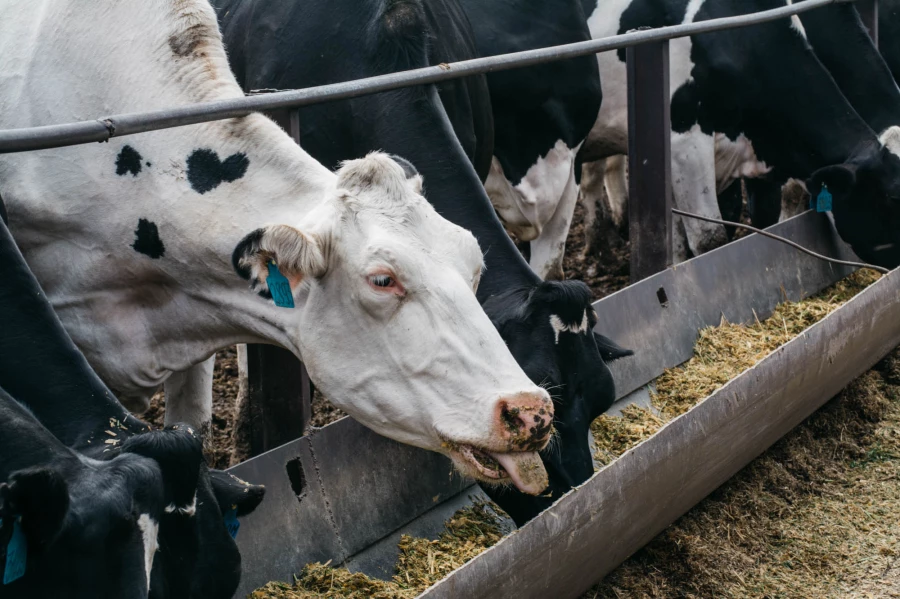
column 839, row 179
column 278, row 250
column 610, row 350
column 412, row 174
column 39, row 499
column 234, row 493
column 179, row 452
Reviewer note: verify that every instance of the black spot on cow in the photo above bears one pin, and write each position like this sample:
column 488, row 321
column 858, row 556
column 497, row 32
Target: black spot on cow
column 147, row 241
column 148, row 164
column 205, row 171
column 128, row 161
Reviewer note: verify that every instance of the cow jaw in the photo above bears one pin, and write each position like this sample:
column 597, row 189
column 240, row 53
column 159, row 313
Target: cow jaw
column 523, row 468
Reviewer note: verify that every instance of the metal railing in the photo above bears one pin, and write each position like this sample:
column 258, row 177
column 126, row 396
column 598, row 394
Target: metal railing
column 104, row 128
column 275, row 416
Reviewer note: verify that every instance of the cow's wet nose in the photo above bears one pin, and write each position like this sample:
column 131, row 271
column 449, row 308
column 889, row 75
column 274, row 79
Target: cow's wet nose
column 525, row 420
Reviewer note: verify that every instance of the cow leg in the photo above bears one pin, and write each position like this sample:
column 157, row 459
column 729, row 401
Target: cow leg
column 615, row 180
column 731, row 205
column 763, row 202
column 590, row 194
column 189, row 395
column 548, row 250
column 794, row 199
column 694, row 188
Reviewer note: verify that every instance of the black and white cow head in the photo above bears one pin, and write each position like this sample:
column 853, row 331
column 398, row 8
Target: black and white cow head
column 75, row 527
column 865, row 193
column 551, row 332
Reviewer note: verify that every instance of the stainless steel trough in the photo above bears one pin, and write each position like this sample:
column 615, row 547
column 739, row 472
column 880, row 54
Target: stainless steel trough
column 345, row 494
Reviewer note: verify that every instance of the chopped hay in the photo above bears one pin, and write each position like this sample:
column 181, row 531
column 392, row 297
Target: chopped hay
column 815, row 516
column 720, row 354
column 421, row 563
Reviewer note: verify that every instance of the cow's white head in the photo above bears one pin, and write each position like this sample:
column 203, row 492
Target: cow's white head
column 390, row 329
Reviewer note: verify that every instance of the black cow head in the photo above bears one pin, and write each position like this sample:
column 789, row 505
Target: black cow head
column 77, row 530
column 549, row 330
column 865, row 193
column 197, row 556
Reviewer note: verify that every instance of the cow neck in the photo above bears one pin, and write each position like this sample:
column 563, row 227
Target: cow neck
column 855, row 63
column 24, row 442
column 146, row 238
column 452, row 186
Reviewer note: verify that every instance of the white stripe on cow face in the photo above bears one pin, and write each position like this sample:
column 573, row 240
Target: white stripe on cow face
column 560, row 327
column 188, row 510
column 149, row 531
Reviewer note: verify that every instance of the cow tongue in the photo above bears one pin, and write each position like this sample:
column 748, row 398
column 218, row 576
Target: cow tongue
column 525, row 469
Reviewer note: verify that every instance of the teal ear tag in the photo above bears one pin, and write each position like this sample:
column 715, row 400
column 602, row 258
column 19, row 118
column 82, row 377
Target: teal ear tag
column 824, row 200
column 279, row 287
column 231, row 522
column 16, row 554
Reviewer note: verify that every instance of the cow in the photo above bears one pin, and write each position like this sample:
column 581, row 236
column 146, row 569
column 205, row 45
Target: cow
column 791, row 121
column 137, row 243
column 546, row 325
column 71, row 527
column 42, row 368
column 542, row 114
column 889, row 34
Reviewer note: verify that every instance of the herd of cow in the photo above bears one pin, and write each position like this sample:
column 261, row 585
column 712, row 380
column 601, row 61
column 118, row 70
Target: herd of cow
column 419, row 318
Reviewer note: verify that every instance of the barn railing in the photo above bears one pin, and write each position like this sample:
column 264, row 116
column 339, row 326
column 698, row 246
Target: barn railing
column 274, row 380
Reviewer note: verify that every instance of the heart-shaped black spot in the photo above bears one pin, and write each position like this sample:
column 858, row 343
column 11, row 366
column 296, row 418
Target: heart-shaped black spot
column 205, row 171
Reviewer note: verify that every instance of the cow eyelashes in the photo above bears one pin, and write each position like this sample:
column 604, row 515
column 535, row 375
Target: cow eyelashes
column 382, row 281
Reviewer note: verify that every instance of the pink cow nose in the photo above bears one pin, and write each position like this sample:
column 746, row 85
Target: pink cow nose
column 525, row 421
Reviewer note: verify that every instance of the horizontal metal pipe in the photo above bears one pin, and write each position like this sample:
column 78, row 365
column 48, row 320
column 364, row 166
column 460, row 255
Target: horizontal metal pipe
column 51, row 136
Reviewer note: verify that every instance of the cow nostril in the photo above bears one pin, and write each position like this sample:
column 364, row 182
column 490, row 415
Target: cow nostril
column 511, row 418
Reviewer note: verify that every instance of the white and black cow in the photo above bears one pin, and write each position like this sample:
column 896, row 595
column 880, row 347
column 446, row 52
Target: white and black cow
column 542, row 114
column 72, row 527
column 754, row 99
column 546, row 325
column 42, row 368
column 136, row 243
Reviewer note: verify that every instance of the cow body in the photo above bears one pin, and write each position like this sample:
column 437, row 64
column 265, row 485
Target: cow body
column 138, row 242
column 756, row 98
column 262, row 39
column 542, row 114
column 42, row 368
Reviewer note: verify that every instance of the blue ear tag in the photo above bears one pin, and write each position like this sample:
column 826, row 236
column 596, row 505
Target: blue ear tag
column 279, row 287
column 231, row 522
column 16, row 554
column 823, row 201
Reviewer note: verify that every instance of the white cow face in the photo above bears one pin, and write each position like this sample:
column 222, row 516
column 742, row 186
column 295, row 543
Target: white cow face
column 390, row 329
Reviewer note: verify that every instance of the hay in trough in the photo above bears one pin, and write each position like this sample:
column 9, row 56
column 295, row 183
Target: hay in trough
column 817, row 515
column 421, row 563
column 720, row 354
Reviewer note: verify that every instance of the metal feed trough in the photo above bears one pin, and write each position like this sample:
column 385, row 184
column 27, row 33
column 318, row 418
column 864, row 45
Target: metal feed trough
column 345, row 494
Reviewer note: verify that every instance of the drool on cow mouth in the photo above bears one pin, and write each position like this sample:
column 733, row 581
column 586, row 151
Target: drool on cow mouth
column 486, row 465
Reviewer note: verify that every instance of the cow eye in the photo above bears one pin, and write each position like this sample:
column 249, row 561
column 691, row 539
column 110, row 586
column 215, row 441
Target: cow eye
column 382, row 281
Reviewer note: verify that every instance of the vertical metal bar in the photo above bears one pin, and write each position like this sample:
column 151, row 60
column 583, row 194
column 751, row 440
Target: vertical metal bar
column 649, row 159
column 868, row 12
column 279, row 389
column 275, row 383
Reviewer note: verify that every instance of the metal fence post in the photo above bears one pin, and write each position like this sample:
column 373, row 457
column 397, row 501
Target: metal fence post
column 279, row 389
column 868, row 11
column 649, row 159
